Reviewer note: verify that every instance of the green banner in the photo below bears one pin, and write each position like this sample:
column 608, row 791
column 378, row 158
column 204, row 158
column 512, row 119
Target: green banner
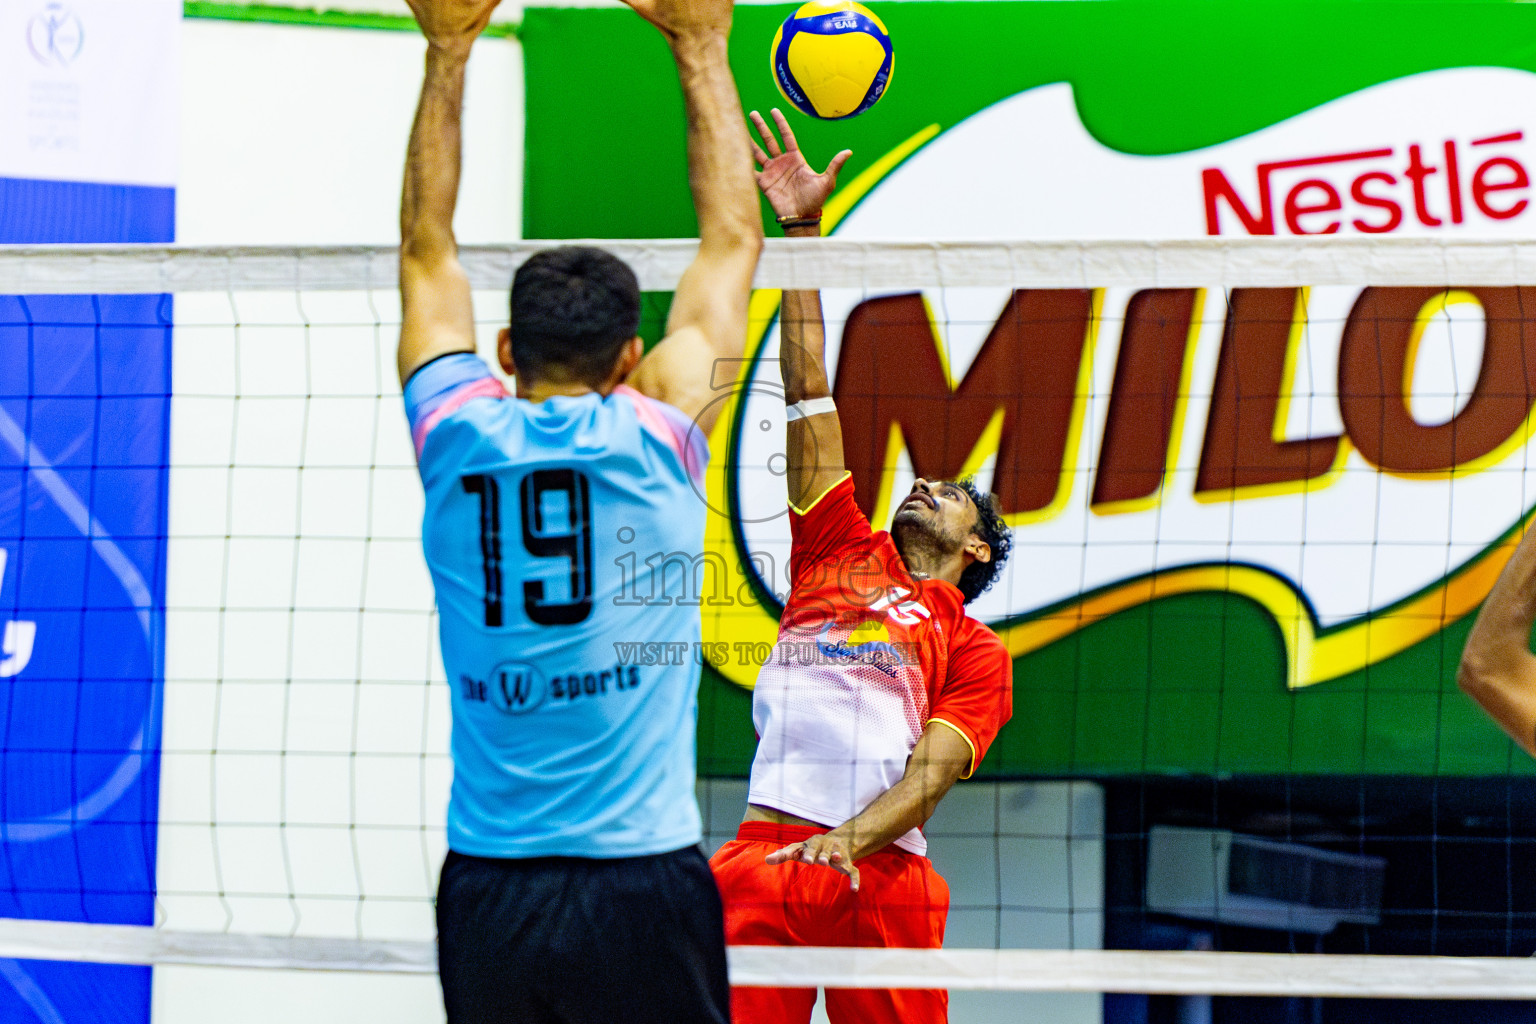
column 1290, row 598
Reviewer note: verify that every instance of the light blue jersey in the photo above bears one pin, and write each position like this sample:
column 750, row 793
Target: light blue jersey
column 547, row 526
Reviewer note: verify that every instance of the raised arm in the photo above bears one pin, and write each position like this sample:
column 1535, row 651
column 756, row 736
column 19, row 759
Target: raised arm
column 436, row 314
column 815, row 435
column 708, row 321
column 1497, row 668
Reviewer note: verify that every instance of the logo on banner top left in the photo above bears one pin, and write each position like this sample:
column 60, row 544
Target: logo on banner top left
column 55, row 35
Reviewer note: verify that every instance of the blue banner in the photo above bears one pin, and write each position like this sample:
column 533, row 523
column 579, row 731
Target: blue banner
column 85, row 384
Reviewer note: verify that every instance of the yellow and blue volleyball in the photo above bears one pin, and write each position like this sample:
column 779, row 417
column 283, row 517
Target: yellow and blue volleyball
column 832, row 59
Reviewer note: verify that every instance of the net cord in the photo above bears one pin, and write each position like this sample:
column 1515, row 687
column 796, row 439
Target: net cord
column 801, row 263
column 1012, row 970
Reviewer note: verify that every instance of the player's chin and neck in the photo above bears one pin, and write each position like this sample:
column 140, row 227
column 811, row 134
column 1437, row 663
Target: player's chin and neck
column 923, row 545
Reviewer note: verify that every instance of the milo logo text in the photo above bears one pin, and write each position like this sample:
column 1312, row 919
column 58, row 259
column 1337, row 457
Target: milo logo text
column 1023, row 390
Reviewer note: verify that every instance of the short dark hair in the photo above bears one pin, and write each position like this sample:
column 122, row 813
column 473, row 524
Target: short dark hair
column 979, row 576
column 573, row 308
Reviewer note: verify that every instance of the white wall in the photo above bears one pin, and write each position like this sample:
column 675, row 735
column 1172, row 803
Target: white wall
column 297, row 135
column 198, row 995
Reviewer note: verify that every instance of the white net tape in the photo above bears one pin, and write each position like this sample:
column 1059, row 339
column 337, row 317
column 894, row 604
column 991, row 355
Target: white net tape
column 993, row 970
column 330, row 865
column 803, row 263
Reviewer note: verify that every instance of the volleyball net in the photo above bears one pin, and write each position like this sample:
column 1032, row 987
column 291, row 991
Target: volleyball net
column 1258, row 489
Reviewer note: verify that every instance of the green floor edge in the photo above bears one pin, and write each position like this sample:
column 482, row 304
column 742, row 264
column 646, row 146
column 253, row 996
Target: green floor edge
column 271, row 14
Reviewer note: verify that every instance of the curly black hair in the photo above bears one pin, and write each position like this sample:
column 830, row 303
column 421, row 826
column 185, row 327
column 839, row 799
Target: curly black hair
column 979, row 576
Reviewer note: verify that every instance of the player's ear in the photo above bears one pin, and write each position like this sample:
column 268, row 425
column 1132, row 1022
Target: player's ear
column 630, row 356
column 504, row 351
column 978, row 549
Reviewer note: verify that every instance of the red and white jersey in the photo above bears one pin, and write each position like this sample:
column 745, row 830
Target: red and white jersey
column 866, row 658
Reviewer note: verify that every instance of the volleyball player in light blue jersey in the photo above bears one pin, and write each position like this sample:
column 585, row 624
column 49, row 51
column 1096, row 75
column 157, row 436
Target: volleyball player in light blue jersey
column 574, row 889
column 562, row 745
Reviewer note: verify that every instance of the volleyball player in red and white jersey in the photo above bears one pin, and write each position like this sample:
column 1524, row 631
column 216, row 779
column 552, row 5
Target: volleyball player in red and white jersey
column 880, row 694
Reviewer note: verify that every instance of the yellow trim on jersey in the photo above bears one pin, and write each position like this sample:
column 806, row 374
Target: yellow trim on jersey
column 944, row 721
column 807, row 510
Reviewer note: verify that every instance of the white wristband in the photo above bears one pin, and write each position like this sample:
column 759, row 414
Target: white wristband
column 809, row 407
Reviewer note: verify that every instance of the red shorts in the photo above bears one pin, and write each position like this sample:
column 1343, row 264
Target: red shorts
column 901, row 902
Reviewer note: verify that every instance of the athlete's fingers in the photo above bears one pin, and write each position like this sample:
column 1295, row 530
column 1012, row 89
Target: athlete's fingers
column 853, row 877
column 785, row 853
column 787, row 133
column 833, row 856
column 837, row 164
column 769, row 142
column 757, row 152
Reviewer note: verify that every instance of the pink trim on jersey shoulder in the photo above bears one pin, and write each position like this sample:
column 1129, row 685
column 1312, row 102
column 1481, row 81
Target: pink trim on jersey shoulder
column 654, row 420
column 485, row 387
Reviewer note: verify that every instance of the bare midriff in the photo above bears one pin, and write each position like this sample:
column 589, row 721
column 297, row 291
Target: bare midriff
column 756, row 812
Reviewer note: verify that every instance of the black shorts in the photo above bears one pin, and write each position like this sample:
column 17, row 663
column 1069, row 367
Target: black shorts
column 568, row 940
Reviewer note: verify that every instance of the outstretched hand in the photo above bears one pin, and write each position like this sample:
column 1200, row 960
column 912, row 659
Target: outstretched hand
column 679, row 18
column 452, row 25
column 828, row 850
column 793, row 189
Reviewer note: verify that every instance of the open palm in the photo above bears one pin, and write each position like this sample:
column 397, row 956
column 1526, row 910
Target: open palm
column 793, row 189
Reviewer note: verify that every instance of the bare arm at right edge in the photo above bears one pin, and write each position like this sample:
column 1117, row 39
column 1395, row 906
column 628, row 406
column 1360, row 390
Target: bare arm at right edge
column 708, row 321
column 1497, row 668
column 814, row 438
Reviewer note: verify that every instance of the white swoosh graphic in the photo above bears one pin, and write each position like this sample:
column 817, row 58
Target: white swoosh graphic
column 62, row 822
column 31, row 992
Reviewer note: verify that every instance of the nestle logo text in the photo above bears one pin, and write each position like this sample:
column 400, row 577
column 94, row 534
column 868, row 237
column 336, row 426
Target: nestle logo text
column 1374, row 191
